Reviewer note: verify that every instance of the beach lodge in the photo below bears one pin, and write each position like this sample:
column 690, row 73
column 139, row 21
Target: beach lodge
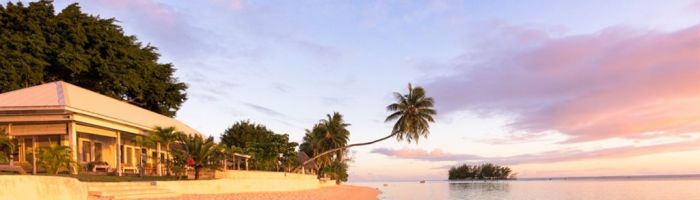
column 95, row 127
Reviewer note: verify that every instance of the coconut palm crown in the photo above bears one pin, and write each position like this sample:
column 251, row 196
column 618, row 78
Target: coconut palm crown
column 413, row 113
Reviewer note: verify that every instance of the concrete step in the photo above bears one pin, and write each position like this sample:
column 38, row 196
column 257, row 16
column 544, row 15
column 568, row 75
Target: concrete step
column 142, row 183
column 116, row 192
column 129, row 190
column 134, row 187
column 146, row 196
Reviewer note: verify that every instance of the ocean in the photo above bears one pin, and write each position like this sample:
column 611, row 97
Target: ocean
column 585, row 188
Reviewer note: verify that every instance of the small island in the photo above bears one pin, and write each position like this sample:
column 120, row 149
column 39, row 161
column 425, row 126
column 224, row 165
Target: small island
column 486, row 171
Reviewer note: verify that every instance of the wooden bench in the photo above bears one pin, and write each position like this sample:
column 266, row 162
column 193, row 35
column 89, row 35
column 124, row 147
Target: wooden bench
column 134, row 169
column 104, row 167
column 12, row 168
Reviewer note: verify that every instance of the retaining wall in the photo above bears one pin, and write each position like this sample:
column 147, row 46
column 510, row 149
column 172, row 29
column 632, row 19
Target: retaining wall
column 41, row 187
column 244, row 181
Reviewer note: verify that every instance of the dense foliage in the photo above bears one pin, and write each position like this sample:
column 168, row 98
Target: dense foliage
column 486, row 171
column 38, row 45
column 6, row 146
column 56, row 158
column 262, row 144
column 329, row 133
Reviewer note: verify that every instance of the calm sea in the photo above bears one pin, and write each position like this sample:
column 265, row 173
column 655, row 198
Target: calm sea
column 633, row 188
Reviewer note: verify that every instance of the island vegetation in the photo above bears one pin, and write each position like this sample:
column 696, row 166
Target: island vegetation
column 486, row 171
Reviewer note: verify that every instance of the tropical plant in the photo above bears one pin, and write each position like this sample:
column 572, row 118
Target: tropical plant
column 200, row 151
column 6, row 146
column 165, row 136
column 413, row 113
column 179, row 163
column 56, row 158
column 337, row 170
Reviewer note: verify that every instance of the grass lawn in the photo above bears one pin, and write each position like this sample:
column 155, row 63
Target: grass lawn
column 105, row 178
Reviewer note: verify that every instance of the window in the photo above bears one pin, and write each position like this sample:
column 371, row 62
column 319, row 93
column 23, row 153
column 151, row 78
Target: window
column 129, row 156
column 98, row 151
column 138, row 156
column 28, row 150
column 15, row 152
column 86, row 147
column 45, row 141
column 121, row 153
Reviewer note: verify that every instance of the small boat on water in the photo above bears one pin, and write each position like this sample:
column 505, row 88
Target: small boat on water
column 386, row 184
column 423, row 181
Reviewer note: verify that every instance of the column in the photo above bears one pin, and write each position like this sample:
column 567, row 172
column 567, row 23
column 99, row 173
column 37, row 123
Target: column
column 159, row 167
column 73, row 144
column 119, row 153
column 34, row 143
column 246, row 164
column 9, row 135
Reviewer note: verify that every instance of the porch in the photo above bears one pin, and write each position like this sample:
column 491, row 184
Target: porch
column 96, row 149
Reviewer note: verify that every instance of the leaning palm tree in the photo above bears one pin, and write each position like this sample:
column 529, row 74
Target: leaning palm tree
column 56, row 158
column 200, row 151
column 413, row 113
column 166, row 136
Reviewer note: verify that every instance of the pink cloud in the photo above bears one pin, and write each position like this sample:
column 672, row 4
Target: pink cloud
column 421, row 154
column 615, row 83
column 543, row 157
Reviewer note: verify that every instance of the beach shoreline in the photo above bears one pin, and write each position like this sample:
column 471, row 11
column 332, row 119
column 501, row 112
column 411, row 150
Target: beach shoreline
column 339, row 192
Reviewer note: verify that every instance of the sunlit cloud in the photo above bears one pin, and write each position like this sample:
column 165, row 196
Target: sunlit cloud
column 617, row 83
column 543, row 157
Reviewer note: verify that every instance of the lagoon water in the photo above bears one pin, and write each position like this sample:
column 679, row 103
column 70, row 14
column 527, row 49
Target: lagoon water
column 583, row 189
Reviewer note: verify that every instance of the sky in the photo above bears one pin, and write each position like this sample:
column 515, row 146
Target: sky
column 547, row 87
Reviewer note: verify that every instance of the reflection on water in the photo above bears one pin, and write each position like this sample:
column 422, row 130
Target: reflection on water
column 541, row 189
column 470, row 190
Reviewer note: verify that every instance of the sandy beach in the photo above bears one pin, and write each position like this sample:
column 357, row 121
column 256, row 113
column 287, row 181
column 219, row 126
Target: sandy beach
column 335, row 193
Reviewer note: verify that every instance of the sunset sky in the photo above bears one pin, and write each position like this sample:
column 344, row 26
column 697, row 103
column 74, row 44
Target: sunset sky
column 550, row 88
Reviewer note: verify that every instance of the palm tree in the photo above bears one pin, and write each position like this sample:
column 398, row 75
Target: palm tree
column 331, row 133
column 56, row 158
column 165, row 136
column 413, row 113
column 200, row 151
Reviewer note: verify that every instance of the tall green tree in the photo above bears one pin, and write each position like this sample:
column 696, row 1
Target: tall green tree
column 201, row 151
column 413, row 113
column 38, row 45
column 261, row 143
column 166, row 136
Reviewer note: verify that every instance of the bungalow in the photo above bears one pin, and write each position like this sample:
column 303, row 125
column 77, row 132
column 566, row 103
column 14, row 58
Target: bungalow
column 95, row 127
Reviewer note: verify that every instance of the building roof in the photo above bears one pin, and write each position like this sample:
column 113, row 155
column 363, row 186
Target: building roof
column 67, row 96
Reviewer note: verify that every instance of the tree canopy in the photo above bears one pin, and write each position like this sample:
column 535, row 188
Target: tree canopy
column 38, row 45
column 264, row 145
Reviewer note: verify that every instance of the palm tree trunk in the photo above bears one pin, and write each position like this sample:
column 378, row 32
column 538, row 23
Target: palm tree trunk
column 346, row 147
column 167, row 160
column 196, row 173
